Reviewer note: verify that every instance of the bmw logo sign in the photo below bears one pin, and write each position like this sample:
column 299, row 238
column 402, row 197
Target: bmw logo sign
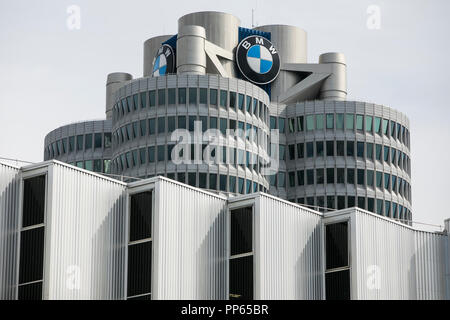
column 164, row 62
column 258, row 60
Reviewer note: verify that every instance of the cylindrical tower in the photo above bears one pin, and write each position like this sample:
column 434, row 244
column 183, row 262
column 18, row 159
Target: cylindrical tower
column 114, row 81
column 221, row 29
column 335, row 86
column 290, row 42
column 191, row 56
column 151, row 47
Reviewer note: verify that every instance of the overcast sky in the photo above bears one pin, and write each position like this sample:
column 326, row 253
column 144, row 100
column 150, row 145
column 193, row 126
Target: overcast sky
column 51, row 75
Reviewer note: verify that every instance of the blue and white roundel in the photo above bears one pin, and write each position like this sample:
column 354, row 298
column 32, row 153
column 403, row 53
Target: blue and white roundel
column 259, row 59
column 160, row 65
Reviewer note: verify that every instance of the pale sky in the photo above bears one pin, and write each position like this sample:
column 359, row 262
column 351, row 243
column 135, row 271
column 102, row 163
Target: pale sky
column 51, row 76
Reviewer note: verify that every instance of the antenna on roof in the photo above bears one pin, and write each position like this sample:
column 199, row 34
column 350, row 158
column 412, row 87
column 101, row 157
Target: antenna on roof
column 253, row 25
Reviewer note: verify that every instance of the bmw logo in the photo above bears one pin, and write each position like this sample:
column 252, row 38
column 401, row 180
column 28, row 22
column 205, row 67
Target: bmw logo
column 164, row 62
column 258, row 60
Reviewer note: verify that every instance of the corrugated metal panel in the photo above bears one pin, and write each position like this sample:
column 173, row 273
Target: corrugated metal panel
column 394, row 261
column 288, row 247
column 189, row 249
column 85, row 235
column 9, row 226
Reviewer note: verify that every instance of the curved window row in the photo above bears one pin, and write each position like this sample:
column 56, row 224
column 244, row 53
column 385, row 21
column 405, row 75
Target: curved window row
column 167, row 124
column 191, row 96
column 161, row 153
column 350, row 148
column 97, row 165
column 380, row 206
column 350, row 176
column 82, row 142
column 214, row 181
column 343, row 121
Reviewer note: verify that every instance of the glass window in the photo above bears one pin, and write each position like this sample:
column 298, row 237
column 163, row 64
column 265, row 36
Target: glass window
column 203, row 95
column 320, row 176
column 97, row 165
column 349, row 121
column 394, row 183
column 281, row 179
column 377, row 124
column 362, row 203
column 241, row 102
column 161, row 125
column 369, row 124
column 330, row 121
column 385, row 127
column 393, row 135
column 330, row 175
column 340, row 148
column 273, row 123
column 213, row 122
column 71, row 143
column 213, row 181
column 301, row 177
column 232, row 184
column 161, row 97
column 79, row 142
column 300, row 125
column 379, row 180
column 161, row 153
column 202, row 180
column 171, row 124
column 223, row 182
column 143, row 99
column 386, row 154
column 319, row 149
column 361, row 176
column 336, row 245
column 291, row 149
column 360, row 149
column 97, row 140
column 393, row 156
column 309, row 149
column 142, row 155
column 291, row 123
column 213, row 97
column 378, row 151
column 241, row 185
column 369, row 150
column 151, row 126
column 143, row 127
column 181, row 95
column 359, row 122
column 281, row 124
column 182, row 122
column 135, row 130
column 387, row 178
column 152, row 98
column 204, row 121
column 351, row 201
column 310, row 177
column 33, row 201
column 192, row 96
column 310, row 122
column 233, row 100
column 130, row 103
column 300, row 150
column 350, row 148
column 330, row 148
column 192, row 120
column 89, row 165
column 291, row 179
column 319, row 121
column 248, row 104
column 171, row 93
column 223, row 126
column 241, row 278
column 340, row 175
column 339, row 121
column 387, row 208
column 223, row 98
column 350, row 176
column 369, row 178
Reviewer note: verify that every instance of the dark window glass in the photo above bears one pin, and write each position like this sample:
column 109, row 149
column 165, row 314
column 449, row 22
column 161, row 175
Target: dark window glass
column 360, row 176
column 369, row 151
column 79, row 142
column 369, row 178
column 232, row 99
column 337, row 285
column 71, row 144
column 213, row 122
column 330, row 175
column 387, row 208
column 350, row 176
column 330, row 202
column 152, row 98
column 161, row 97
column 291, row 148
column 309, row 149
column 202, row 180
column 97, row 165
column 143, row 100
column 241, row 278
column 223, row 126
column 232, row 184
column 171, row 93
column 319, row 121
column 378, row 148
column 241, row 185
column 340, row 175
column 161, row 124
column 377, row 125
column 336, row 245
column 340, row 202
column 139, row 268
column 273, row 123
column 98, row 140
column 340, row 148
column 349, row 121
column 380, row 206
column 300, row 124
column 192, row 96
column 241, row 102
column 181, row 95
column 310, row 176
column 360, row 149
column 386, row 154
column 362, row 203
column 351, row 201
column 171, row 124
column 151, row 154
column 248, row 104
column 379, row 179
column 181, row 177
column 282, row 151
column 281, row 179
column 339, row 121
column 192, row 120
column 151, row 126
column 32, row 291
column 300, row 150
column 161, row 153
column 192, row 178
column 223, row 98
column 281, row 125
column 320, row 176
column 213, row 181
column 330, row 148
column 223, row 182
column 141, row 216
column 370, row 205
column 387, row 178
column 31, row 264
column 350, row 148
column 359, row 122
column 241, row 230
column 204, row 121
column 301, row 177
column 385, row 127
column 330, row 121
column 33, row 201
column 319, row 148
column 213, row 97
column 291, row 179
column 291, row 125
column 369, row 123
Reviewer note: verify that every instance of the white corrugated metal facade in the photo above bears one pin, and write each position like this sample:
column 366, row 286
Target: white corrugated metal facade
column 189, row 243
column 288, row 263
column 84, row 235
column 9, row 224
column 86, row 239
column 390, row 260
